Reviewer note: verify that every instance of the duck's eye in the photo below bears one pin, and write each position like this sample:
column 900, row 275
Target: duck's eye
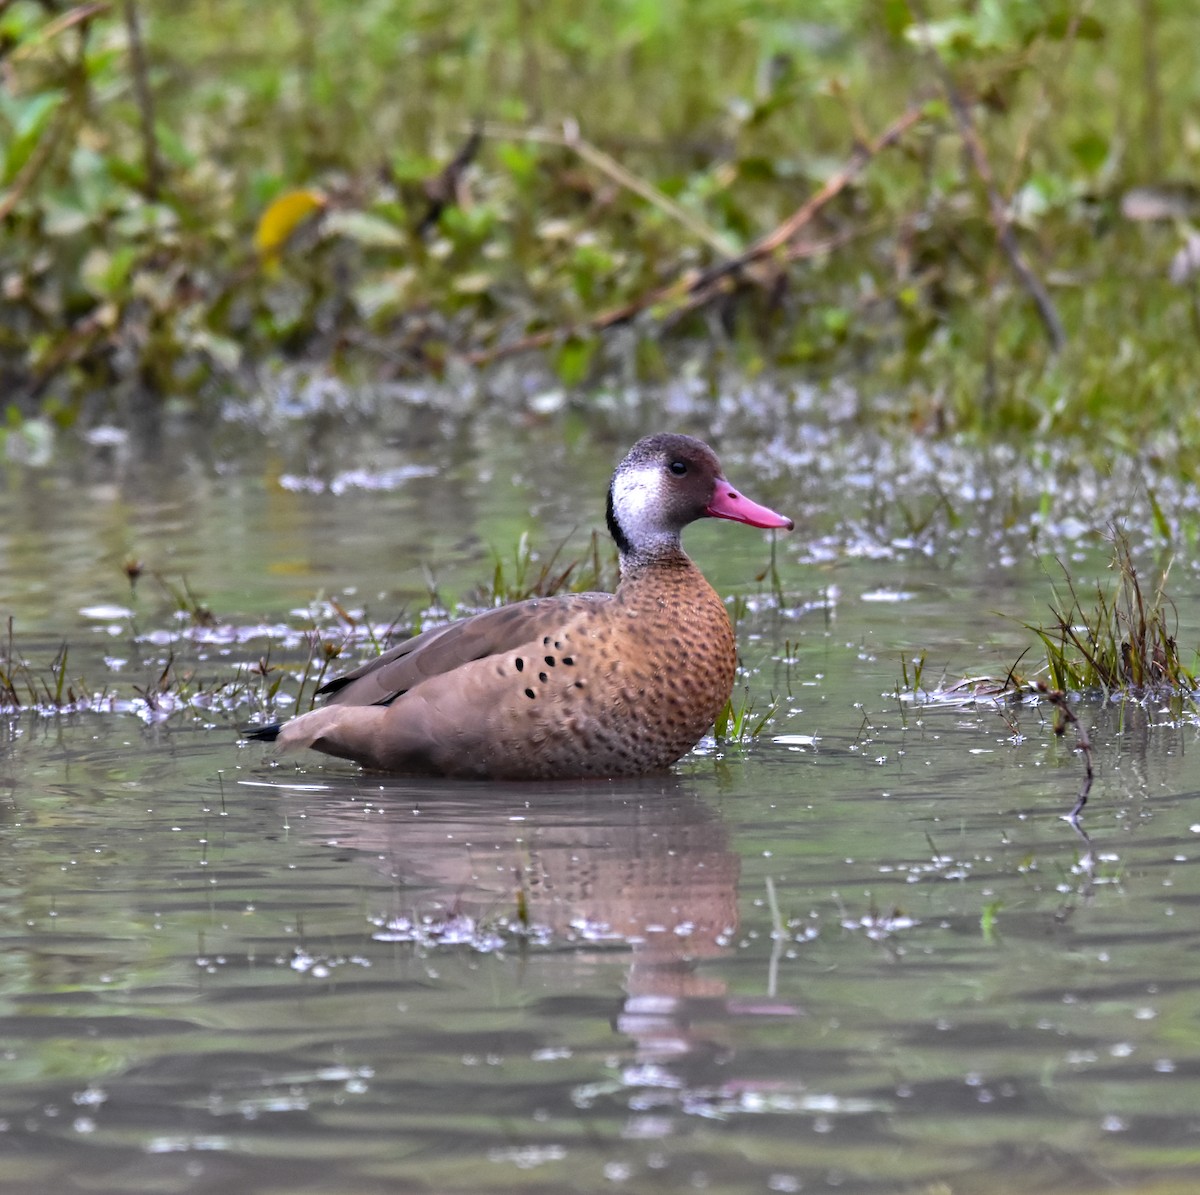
column 679, row 468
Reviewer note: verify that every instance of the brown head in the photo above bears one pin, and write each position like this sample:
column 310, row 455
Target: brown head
column 666, row 482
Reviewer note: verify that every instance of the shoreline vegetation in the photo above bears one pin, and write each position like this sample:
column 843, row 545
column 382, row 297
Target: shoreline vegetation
column 982, row 211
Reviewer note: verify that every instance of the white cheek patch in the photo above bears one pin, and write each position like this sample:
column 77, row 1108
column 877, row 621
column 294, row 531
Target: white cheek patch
column 637, row 503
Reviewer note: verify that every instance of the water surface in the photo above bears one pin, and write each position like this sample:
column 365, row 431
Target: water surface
column 862, row 953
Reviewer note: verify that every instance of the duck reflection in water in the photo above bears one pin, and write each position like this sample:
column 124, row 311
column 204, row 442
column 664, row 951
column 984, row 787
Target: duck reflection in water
column 644, row 867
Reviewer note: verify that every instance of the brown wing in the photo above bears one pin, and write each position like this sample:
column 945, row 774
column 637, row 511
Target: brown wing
column 443, row 649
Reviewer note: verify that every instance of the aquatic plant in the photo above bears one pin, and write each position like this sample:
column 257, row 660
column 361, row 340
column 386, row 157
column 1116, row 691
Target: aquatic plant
column 50, row 686
column 1064, row 717
column 528, row 575
column 185, row 601
column 911, row 683
column 1125, row 642
column 742, row 720
column 329, row 633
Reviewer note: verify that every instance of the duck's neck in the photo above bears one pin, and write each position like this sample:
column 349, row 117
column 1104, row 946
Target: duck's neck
column 643, row 562
column 644, row 547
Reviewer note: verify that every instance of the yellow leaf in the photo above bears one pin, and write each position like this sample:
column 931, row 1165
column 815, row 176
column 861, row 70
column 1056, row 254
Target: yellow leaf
column 284, row 214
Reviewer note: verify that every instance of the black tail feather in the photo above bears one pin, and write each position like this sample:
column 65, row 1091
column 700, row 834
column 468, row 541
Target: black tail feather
column 265, row 734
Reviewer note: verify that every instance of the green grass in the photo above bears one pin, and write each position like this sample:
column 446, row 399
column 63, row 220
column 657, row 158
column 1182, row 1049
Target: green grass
column 527, row 574
column 741, row 719
column 1120, row 638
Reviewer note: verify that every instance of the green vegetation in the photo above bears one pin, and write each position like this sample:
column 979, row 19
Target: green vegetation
column 529, row 576
column 20, row 684
column 970, row 200
column 741, row 721
column 1125, row 642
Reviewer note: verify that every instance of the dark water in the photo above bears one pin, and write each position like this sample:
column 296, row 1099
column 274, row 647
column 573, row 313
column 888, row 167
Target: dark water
column 862, row 953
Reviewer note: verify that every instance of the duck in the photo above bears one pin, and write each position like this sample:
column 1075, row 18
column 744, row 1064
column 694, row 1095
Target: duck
column 573, row 686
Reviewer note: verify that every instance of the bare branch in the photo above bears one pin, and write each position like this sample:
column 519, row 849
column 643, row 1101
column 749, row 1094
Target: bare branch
column 145, row 101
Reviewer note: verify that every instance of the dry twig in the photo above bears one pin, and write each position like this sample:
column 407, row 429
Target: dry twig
column 145, row 100
column 1066, row 717
column 446, row 187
